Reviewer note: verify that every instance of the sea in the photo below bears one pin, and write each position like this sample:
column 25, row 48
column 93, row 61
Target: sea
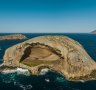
column 19, row 80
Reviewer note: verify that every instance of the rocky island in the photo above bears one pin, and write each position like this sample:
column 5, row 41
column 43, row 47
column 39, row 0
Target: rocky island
column 12, row 37
column 93, row 32
column 57, row 53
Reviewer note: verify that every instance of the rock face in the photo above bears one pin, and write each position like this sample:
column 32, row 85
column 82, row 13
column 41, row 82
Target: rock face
column 57, row 53
column 13, row 37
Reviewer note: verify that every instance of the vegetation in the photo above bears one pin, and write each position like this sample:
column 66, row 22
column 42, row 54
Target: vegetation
column 32, row 63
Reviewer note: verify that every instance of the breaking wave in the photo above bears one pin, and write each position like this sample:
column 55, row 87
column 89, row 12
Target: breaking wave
column 44, row 71
column 15, row 77
column 18, row 71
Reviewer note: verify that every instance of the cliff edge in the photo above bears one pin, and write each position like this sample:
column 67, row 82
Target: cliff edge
column 57, row 53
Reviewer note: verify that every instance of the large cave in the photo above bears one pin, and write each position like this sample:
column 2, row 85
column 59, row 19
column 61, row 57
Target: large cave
column 37, row 53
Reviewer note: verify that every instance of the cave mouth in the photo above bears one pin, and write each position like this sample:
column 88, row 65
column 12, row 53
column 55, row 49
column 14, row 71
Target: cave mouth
column 39, row 54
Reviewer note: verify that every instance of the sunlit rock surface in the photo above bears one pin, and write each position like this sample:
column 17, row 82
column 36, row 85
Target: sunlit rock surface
column 57, row 53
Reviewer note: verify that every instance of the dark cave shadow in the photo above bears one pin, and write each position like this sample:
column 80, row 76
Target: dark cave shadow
column 27, row 52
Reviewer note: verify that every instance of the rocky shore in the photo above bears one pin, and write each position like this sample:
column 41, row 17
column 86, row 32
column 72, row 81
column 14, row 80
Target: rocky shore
column 57, row 53
column 12, row 37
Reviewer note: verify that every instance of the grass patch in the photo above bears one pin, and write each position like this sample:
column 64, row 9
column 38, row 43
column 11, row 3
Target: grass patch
column 33, row 63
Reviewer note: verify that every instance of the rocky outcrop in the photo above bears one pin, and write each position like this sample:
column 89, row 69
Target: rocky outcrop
column 57, row 53
column 93, row 32
column 12, row 37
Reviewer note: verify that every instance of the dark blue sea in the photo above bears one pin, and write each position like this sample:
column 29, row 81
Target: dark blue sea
column 49, row 81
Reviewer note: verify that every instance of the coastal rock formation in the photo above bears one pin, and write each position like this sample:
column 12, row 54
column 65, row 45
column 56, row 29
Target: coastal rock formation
column 93, row 32
column 57, row 53
column 12, row 37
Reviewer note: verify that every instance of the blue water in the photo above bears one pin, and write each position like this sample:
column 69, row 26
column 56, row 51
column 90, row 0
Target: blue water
column 14, row 81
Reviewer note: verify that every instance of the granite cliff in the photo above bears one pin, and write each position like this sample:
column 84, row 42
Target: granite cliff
column 12, row 37
column 57, row 53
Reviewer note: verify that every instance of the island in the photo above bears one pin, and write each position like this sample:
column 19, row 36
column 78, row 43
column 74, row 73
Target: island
column 12, row 37
column 59, row 54
column 93, row 32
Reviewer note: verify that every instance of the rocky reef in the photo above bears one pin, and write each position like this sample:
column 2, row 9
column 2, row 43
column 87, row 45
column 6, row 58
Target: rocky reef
column 57, row 53
column 12, row 37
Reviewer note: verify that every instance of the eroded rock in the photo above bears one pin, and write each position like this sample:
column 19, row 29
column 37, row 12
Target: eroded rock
column 58, row 53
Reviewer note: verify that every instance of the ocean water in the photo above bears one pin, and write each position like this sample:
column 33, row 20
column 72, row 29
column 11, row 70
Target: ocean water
column 50, row 80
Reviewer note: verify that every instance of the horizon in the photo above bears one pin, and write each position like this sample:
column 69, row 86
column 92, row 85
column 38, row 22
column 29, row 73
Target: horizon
column 48, row 32
column 50, row 16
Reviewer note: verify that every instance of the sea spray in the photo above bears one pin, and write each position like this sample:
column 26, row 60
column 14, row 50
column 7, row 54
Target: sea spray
column 23, row 71
column 9, row 71
column 44, row 71
column 17, row 70
column 15, row 76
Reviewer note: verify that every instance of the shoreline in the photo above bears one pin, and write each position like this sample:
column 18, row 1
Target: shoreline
column 18, row 70
column 11, row 69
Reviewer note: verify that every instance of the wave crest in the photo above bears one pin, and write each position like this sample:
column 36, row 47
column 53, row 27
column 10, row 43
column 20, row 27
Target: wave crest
column 18, row 71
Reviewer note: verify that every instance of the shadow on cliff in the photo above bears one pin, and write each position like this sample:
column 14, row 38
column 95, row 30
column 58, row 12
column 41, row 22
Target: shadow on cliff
column 27, row 53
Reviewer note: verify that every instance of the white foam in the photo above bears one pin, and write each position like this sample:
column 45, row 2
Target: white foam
column 82, row 81
column 44, row 71
column 23, row 71
column 47, row 80
column 10, row 76
column 1, row 64
column 8, row 71
column 60, row 79
column 24, row 87
column 18, row 71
